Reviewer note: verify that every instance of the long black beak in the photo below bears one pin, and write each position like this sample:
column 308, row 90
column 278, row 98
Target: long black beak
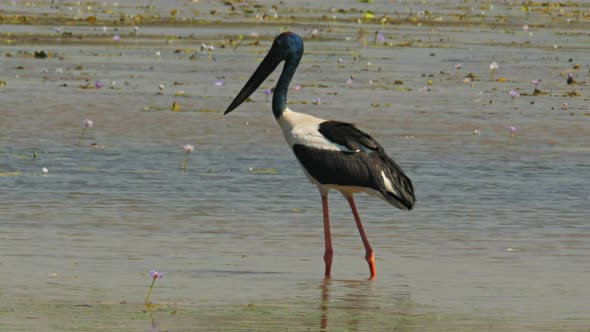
column 266, row 67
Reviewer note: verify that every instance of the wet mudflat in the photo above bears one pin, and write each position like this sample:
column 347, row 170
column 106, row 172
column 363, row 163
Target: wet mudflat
column 499, row 238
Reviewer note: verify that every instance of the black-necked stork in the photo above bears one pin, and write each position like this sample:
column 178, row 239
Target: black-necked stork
column 333, row 154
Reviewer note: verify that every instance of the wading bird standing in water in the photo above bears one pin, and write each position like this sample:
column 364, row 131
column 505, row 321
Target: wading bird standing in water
column 333, row 154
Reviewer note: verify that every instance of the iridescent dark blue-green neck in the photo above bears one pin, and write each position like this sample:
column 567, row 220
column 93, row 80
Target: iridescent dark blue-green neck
column 294, row 48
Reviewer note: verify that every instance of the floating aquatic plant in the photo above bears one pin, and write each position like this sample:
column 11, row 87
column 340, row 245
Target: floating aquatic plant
column 175, row 106
column 40, row 54
column 263, row 170
column 493, row 67
column 219, row 83
column 536, row 91
column 570, row 79
column 9, row 173
column 315, row 33
column 349, row 81
column 209, row 49
column 316, row 100
column 369, row 15
column 188, row 148
column 87, row 123
column 155, row 275
column 297, row 87
column 98, row 84
column 573, row 93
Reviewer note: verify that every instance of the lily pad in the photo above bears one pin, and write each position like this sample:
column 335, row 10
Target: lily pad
column 402, row 88
column 368, row 15
column 40, row 54
column 263, row 170
column 9, row 173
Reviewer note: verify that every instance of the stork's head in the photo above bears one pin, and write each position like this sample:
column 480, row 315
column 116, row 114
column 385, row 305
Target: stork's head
column 286, row 46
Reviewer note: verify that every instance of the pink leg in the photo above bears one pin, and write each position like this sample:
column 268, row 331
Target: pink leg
column 329, row 253
column 369, row 255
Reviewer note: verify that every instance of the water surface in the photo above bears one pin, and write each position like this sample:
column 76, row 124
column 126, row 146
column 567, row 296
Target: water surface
column 498, row 241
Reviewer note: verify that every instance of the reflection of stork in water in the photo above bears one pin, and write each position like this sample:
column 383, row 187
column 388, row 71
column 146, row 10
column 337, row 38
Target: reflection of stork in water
column 333, row 154
column 345, row 298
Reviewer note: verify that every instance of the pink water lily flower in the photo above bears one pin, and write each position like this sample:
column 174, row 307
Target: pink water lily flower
column 512, row 130
column 458, row 68
column 87, row 123
column 156, row 275
column 349, row 81
column 268, row 92
column 380, row 37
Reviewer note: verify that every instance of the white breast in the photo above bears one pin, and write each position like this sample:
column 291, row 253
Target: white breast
column 302, row 129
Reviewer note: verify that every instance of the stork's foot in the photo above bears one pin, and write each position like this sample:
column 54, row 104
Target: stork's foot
column 370, row 257
column 328, row 255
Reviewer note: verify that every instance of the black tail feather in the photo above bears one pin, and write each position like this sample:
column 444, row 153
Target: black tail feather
column 403, row 197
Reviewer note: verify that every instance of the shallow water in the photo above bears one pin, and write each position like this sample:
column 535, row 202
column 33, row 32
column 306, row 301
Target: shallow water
column 498, row 241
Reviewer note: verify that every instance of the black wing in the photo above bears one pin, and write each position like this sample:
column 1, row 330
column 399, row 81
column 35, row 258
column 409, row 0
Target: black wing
column 346, row 134
column 362, row 168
